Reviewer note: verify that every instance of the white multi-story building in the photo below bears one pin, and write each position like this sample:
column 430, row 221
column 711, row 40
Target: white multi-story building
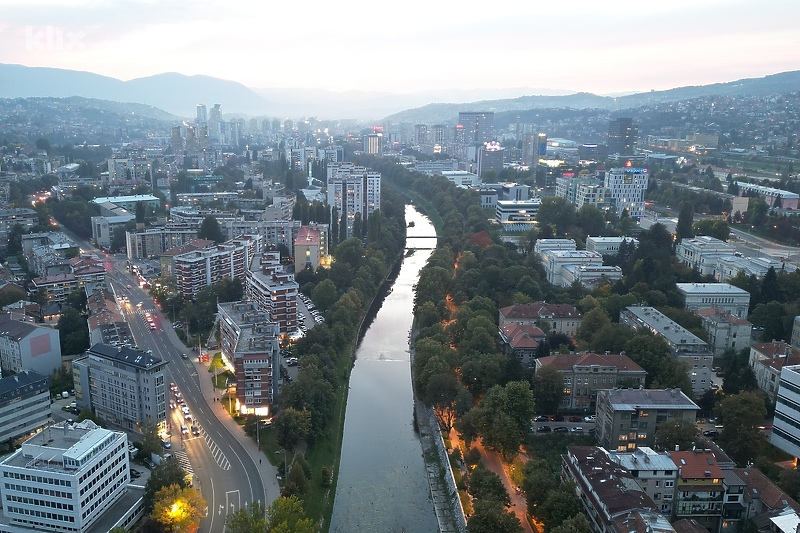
column 126, row 387
column 517, row 215
column 353, row 189
column 556, row 260
column 786, row 424
column 685, row 345
column 608, row 245
column 727, row 267
column 725, row 330
column 626, row 187
column 542, row 246
column 199, row 269
column 702, row 253
column 589, row 275
column 64, row 478
column 723, row 295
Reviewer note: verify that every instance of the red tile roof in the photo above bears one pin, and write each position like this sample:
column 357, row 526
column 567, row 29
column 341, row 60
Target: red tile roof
column 570, row 360
column 537, row 310
column 694, row 465
column 521, row 336
column 774, row 349
column 760, row 487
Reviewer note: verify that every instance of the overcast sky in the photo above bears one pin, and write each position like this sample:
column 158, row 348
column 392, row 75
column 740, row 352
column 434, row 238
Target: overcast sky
column 616, row 46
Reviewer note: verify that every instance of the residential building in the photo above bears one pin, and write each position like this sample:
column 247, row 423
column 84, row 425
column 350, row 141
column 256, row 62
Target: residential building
column 725, row 331
column 690, row 349
column 249, row 340
column 702, row 253
column 610, row 497
column 700, row 492
column 761, row 495
column 24, row 404
column 521, row 341
column 273, row 288
column 557, row 318
column 126, row 387
column 767, row 359
column 309, row 249
column 626, row 187
column 353, row 189
column 585, row 373
column 723, row 295
column 28, row 346
column 654, row 472
column 111, row 217
column 786, row 423
column 167, row 257
column 25, row 217
column 198, row 269
column 64, row 479
column 629, row 418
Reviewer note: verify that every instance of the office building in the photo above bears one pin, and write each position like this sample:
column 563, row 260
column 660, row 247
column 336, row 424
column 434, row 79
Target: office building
column 544, row 246
column 534, row 148
column 556, row 261
column 24, row 404
column 64, row 479
column 490, row 157
column 732, row 299
column 201, row 117
column 702, row 253
column 126, row 387
column 477, row 127
column 609, row 245
column 517, row 215
column 690, row 349
column 626, row 188
column 786, row 424
column 585, row 373
column 28, row 346
column 629, row 418
column 623, row 137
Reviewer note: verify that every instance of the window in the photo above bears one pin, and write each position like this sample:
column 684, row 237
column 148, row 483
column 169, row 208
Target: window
column 669, row 483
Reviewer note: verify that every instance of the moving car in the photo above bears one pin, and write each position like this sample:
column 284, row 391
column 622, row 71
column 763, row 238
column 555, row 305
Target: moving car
column 184, row 430
column 167, row 444
column 195, row 431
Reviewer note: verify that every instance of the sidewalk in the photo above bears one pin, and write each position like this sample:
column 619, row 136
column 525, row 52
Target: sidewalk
column 267, row 472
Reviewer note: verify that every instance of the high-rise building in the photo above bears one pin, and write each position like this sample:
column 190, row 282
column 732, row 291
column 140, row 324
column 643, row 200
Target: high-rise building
column 623, row 135
column 273, row 289
column 372, row 143
column 490, row 157
column 420, row 134
column 534, row 148
column 202, row 115
column 478, row 126
column 198, row 269
column 353, row 189
column 626, row 187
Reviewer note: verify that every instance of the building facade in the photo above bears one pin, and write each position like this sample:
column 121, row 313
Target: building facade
column 353, row 190
column 28, row 346
column 723, row 295
column 558, row 318
column 24, row 404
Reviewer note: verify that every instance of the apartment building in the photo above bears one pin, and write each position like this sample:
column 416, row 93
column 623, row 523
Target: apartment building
column 700, row 493
column 725, row 330
column 586, row 373
column 629, row 418
column 198, row 269
column 250, row 342
column 24, row 404
column 654, row 472
column 126, row 387
column 353, row 189
column 28, row 346
column 521, row 341
column 272, row 287
column 685, row 345
column 559, row 318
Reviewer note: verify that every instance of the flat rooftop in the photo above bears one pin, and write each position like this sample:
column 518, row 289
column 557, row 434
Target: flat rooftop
column 711, row 288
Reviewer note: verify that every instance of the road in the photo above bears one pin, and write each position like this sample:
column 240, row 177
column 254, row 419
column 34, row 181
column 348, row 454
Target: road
column 227, row 466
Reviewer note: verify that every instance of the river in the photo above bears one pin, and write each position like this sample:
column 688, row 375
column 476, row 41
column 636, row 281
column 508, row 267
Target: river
column 382, row 485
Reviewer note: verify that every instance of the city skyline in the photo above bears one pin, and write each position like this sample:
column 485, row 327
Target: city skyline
column 612, row 48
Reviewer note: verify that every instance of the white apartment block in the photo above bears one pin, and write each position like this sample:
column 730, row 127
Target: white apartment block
column 64, row 478
column 702, row 253
column 199, row 269
column 685, row 345
column 126, row 387
column 723, row 295
column 608, row 245
column 786, row 424
column 353, row 189
column 626, row 187
column 555, row 261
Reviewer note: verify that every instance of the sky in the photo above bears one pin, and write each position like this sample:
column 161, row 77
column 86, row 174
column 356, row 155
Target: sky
column 610, row 47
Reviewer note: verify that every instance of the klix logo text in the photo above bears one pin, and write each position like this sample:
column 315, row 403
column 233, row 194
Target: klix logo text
column 52, row 39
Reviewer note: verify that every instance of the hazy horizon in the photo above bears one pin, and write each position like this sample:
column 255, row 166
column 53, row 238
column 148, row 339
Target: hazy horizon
column 613, row 48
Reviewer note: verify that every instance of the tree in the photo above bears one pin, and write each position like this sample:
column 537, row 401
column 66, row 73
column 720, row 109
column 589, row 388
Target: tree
column 718, row 229
column 73, row 332
column 538, row 483
column 483, row 484
column 151, row 442
column 179, row 509
column 43, row 144
column 557, row 212
column 297, row 482
column 741, row 415
column 443, row 392
column 491, row 517
column 548, row 389
column 560, row 505
column 140, row 212
column 324, row 295
column 210, row 230
column 286, row 515
column 576, row 524
column 592, row 322
column 677, row 432
column 684, row 227
column 168, row 472
column 292, row 426
column 504, row 415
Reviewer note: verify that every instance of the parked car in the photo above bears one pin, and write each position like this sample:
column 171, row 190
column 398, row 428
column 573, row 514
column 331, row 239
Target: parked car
column 542, row 418
column 575, row 419
column 184, row 430
column 135, row 473
column 576, row 429
column 589, row 419
column 560, row 429
column 148, row 463
column 711, row 433
column 544, row 429
column 167, row 444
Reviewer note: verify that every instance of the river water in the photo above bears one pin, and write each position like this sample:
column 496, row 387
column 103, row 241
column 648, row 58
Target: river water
column 382, row 485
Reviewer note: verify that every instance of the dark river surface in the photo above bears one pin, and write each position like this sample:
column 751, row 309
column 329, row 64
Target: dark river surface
column 382, row 485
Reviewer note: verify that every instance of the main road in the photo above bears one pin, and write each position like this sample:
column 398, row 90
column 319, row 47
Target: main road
column 226, row 467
